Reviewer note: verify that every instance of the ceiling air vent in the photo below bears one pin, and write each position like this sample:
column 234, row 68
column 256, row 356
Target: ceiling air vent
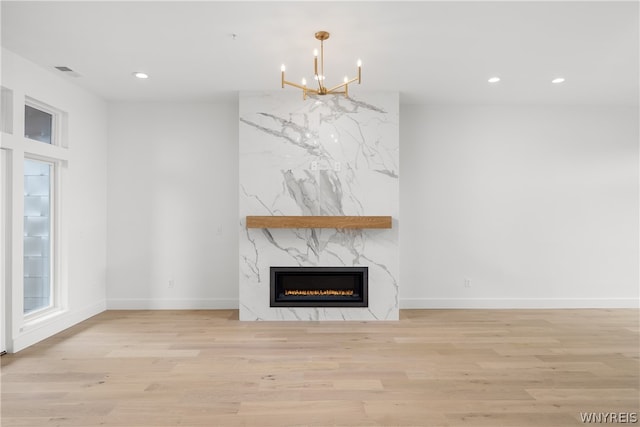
column 68, row 71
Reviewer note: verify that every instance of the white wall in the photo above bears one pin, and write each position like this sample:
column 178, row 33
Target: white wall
column 173, row 205
column 84, row 195
column 536, row 206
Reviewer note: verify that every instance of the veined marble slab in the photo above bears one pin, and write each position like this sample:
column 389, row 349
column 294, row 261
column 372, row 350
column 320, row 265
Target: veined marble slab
column 327, row 155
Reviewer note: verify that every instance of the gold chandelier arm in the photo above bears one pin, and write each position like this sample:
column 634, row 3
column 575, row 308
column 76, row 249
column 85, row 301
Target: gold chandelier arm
column 320, row 80
column 333, row 89
column 317, row 76
column 285, row 82
column 305, row 90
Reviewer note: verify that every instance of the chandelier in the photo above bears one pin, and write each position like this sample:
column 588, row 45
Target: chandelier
column 318, row 71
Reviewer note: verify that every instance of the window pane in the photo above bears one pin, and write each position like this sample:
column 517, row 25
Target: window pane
column 37, row 124
column 37, row 235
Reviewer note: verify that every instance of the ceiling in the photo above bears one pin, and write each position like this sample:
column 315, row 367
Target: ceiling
column 431, row 52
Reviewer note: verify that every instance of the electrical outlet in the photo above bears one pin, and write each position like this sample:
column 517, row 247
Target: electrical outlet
column 467, row 283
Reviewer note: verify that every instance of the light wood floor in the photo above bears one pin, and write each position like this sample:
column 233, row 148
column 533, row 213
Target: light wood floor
column 432, row 368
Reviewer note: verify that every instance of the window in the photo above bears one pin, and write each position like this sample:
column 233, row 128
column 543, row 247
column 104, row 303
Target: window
column 38, row 235
column 33, row 180
column 38, row 124
column 42, row 280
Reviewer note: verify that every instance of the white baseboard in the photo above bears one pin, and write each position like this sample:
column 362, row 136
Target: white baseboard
column 508, row 303
column 35, row 333
column 405, row 303
column 172, row 304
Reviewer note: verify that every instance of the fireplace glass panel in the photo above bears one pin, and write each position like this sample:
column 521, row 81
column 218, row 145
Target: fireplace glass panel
column 319, row 287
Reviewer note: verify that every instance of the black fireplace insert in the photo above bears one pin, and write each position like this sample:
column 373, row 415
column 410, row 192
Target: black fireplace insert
column 319, row 287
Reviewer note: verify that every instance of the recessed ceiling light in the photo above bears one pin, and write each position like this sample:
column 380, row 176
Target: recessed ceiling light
column 494, row 80
column 558, row 80
column 141, row 75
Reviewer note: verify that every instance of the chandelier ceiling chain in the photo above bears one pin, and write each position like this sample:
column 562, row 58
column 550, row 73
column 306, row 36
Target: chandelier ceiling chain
column 342, row 88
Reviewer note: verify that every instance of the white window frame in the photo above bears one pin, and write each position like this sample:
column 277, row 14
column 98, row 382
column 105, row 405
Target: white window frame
column 58, row 128
column 55, row 303
column 21, row 328
column 5, row 250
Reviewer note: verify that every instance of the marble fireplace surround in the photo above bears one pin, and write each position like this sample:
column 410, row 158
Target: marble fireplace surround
column 327, row 157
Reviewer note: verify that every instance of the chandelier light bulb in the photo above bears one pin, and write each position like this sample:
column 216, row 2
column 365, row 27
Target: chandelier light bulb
column 346, row 79
column 282, row 68
column 315, row 52
column 359, row 63
column 304, row 81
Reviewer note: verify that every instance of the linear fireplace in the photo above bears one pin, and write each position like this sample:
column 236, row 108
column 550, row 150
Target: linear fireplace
column 319, row 287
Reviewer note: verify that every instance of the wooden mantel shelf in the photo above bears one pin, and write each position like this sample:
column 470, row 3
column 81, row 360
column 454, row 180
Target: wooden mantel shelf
column 318, row 222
